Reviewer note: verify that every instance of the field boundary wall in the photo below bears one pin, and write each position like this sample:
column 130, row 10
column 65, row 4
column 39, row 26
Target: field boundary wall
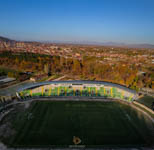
column 143, row 106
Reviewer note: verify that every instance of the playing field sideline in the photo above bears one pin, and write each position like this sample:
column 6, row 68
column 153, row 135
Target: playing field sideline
column 48, row 123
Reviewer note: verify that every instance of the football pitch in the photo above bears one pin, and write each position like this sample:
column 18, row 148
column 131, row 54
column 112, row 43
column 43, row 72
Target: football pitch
column 55, row 123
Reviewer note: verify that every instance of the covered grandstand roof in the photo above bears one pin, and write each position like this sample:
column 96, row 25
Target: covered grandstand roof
column 33, row 85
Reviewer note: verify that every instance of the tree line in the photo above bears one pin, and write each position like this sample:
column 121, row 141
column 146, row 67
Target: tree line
column 88, row 68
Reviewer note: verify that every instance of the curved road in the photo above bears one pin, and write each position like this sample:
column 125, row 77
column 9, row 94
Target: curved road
column 11, row 90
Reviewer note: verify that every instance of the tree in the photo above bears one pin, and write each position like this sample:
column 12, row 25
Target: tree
column 47, row 69
column 76, row 66
column 10, row 74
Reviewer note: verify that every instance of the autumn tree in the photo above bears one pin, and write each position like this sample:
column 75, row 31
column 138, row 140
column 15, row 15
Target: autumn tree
column 47, row 69
column 76, row 66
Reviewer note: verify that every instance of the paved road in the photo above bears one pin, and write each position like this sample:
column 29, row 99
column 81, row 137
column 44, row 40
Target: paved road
column 11, row 90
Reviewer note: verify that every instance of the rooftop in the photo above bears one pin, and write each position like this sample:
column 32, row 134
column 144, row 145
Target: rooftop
column 32, row 85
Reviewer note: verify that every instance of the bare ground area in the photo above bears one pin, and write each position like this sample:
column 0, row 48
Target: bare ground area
column 2, row 146
column 6, row 129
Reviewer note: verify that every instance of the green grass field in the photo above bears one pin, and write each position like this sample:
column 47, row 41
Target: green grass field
column 54, row 123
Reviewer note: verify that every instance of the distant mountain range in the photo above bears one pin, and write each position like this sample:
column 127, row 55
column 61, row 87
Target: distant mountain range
column 149, row 46
column 114, row 44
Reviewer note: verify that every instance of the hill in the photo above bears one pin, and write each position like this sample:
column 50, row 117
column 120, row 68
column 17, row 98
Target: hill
column 4, row 39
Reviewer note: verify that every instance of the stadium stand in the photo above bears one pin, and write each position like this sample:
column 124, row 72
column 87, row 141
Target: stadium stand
column 78, row 88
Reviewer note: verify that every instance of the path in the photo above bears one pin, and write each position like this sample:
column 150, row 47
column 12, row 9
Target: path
column 59, row 78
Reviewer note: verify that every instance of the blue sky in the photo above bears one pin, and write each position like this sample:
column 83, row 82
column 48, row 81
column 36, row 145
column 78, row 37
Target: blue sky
column 128, row 21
